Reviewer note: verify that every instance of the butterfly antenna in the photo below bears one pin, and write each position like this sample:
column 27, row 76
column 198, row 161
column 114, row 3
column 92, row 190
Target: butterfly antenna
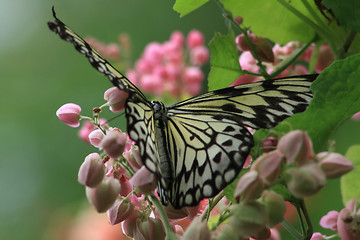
column 117, row 116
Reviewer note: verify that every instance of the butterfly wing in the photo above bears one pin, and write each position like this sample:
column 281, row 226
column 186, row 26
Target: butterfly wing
column 207, row 137
column 140, row 122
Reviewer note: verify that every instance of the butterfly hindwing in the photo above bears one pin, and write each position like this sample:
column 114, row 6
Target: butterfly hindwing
column 207, row 155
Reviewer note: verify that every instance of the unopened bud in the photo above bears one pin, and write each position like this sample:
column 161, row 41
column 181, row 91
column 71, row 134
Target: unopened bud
column 113, row 143
column 334, row 165
column 116, row 99
column 150, row 229
column 103, row 196
column 69, row 114
column 306, row 180
column 120, row 211
column 197, row 230
column 144, row 180
column 92, row 171
column 269, row 144
column 275, row 207
column 268, row 166
column 95, row 137
column 264, row 50
column 248, row 219
column 297, row 147
column 248, row 187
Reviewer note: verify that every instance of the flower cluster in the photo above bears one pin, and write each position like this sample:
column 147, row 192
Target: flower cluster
column 272, row 56
column 303, row 172
column 172, row 66
column 345, row 222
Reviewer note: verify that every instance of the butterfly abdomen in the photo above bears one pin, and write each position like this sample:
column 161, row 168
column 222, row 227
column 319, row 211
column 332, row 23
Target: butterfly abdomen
column 165, row 165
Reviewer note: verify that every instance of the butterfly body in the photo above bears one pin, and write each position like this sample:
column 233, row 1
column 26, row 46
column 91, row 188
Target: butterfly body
column 198, row 146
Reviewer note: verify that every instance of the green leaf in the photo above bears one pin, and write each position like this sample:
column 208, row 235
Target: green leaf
column 336, row 98
column 272, row 20
column 187, row 6
column 350, row 184
column 346, row 11
column 225, row 67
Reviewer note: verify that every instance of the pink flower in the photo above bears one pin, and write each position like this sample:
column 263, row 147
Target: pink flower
column 192, row 75
column 297, row 147
column 330, row 220
column 177, row 39
column 92, row 170
column 69, row 114
column 199, row 55
column 120, row 211
column 249, row 187
column 334, row 165
column 85, row 130
column 113, row 143
column 95, row 137
column 116, row 99
column 317, row 236
column 144, row 180
column 356, row 116
column 103, row 196
column 195, row 39
column 348, row 225
column 325, row 57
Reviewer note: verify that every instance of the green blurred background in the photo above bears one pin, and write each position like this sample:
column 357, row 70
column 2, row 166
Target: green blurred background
column 40, row 156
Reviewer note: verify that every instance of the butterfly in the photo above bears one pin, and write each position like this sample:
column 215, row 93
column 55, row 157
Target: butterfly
column 198, row 146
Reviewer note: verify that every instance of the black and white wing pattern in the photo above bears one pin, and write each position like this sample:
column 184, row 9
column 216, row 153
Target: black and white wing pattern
column 140, row 122
column 205, row 139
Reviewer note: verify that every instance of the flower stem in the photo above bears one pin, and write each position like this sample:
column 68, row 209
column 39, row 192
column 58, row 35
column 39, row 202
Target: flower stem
column 228, row 15
column 291, row 230
column 170, row 235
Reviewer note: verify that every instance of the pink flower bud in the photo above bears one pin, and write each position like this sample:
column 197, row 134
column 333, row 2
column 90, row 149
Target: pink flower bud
column 297, row 147
column 199, row 55
column 238, row 20
column 112, row 51
column 269, row 144
column 317, row 236
column 103, row 196
column 135, row 158
column 264, row 50
column 241, row 42
column 356, row 116
column 177, row 39
column 194, row 39
column 275, row 207
column 306, row 180
column 193, row 75
column 248, row 219
column 330, row 220
column 248, row 187
column 197, row 230
column 92, row 171
column 334, row 165
column 120, row 211
column 144, row 180
column 325, row 57
column 95, row 137
column 151, row 229
column 116, row 99
column 113, row 143
column 129, row 224
column 268, row 166
column 86, row 128
column 69, row 114
column 348, row 225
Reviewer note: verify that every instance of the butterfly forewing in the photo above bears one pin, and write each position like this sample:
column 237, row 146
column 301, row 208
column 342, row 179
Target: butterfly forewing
column 258, row 105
